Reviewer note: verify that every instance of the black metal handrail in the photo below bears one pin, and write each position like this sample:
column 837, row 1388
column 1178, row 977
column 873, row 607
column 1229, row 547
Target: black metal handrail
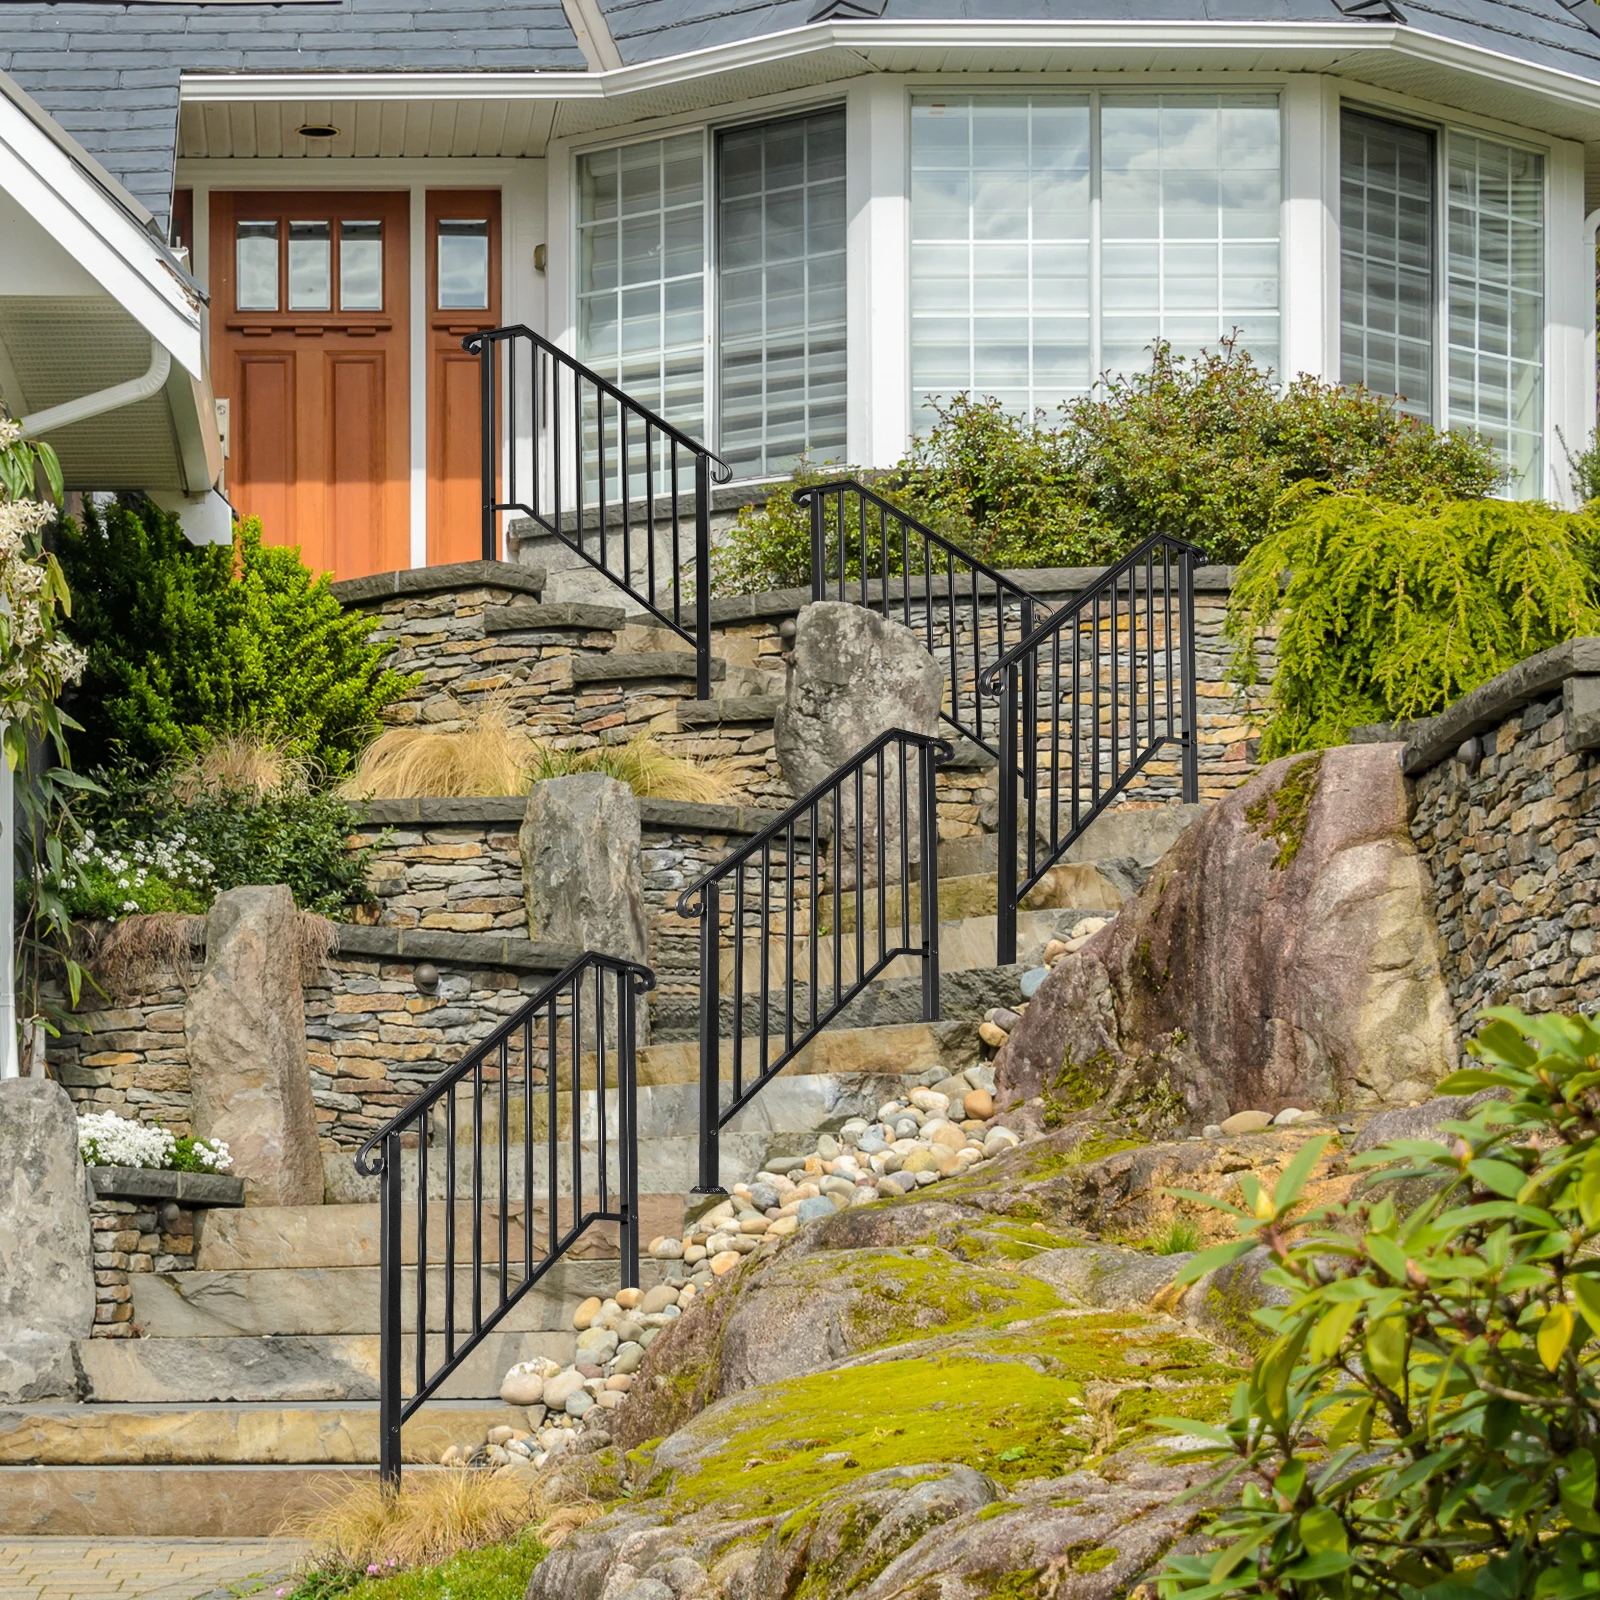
column 862, row 810
column 947, row 594
column 551, row 1025
column 1138, row 696
column 600, row 472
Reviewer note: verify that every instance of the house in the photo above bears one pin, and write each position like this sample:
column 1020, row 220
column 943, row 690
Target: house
column 786, row 223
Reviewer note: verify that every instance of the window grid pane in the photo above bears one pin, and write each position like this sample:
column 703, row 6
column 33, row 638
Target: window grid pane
column 1386, row 227
column 781, row 283
column 641, row 243
column 1000, row 253
column 1007, row 234
column 1494, row 258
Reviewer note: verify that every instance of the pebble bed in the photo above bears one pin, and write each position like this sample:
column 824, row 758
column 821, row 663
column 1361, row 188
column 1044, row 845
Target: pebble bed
column 939, row 1129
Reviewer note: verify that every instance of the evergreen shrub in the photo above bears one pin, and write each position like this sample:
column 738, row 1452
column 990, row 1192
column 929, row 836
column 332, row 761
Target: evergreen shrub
column 187, row 644
column 1389, row 612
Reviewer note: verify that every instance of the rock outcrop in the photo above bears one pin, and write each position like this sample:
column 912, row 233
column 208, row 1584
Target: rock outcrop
column 1283, row 953
column 246, row 1027
column 46, row 1280
column 855, row 675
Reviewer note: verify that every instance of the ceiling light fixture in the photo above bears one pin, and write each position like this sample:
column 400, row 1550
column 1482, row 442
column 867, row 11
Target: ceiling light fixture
column 317, row 130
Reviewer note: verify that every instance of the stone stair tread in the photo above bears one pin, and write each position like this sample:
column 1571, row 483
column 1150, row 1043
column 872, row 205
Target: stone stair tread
column 221, row 1501
column 237, row 1432
column 729, row 708
column 300, row 1367
column 618, row 666
column 526, row 616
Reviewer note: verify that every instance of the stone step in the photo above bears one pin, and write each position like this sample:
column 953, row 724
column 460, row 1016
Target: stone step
column 217, row 1433
column 297, row 1301
column 652, row 665
column 557, row 616
column 732, row 708
column 165, row 1502
column 308, row 1367
column 256, row 1238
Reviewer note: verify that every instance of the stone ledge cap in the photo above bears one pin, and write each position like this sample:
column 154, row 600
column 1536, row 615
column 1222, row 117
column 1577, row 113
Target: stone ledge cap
column 187, row 1188
column 442, row 579
column 1431, row 741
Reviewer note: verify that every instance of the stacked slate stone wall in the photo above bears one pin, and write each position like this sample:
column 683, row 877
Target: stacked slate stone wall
column 132, row 1057
column 1507, row 802
column 453, row 627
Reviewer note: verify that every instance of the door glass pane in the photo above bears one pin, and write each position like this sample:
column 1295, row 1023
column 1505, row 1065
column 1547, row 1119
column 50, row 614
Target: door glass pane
column 1386, row 227
column 641, row 266
column 463, row 265
column 1494, row 266
column 256, row 257
column 310, row 266
column 780, row 232
column 361, row 266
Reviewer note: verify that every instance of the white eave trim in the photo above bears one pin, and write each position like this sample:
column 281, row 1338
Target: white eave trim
column 1346, row 39
column 100, row 236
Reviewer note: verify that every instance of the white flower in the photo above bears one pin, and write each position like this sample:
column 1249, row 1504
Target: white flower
column 107, row 1140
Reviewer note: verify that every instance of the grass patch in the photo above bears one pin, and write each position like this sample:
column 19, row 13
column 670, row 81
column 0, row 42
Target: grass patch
column 491, row 755
column 493, row 1572
column 1179, row 1237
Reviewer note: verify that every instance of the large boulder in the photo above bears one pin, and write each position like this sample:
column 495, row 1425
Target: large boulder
column 46, row 1277
column 581, row 875
column 854, row 675
column 1283, row 953
column 246, row 1026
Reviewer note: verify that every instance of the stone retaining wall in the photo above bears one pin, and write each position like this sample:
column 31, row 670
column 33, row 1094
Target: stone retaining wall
column 1507, row 792
column 134, row 1058
column 452, row 626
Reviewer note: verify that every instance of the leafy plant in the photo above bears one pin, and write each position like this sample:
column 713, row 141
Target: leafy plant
column 1583, row 467
column 190, row 643
column 493, row 1572
column 294, row 835
column 1390, row 612
column 1425, row 1417
column 1207, row 448
column 150, row 875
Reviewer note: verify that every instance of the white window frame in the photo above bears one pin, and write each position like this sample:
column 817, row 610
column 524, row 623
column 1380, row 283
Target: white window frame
column 1441, row 129
column 1096, row 91
column 813, row 104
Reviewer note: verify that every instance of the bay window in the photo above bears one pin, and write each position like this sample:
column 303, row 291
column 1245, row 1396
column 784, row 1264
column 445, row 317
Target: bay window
column 774, row 294
column 1055, row 236
column 1442, row 281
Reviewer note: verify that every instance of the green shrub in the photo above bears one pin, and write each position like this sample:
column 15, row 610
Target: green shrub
column 102, row 882
column 1391, row 612
column 1204, row 448
column 188, row 643
column 294, row 835
column 1209, row 448
column 1424, row 1419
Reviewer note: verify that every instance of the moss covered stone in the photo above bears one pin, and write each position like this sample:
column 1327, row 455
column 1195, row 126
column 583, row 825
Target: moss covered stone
column 1282, row 815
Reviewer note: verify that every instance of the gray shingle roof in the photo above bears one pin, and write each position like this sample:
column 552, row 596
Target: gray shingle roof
column 1547, row 32
column 109, row 73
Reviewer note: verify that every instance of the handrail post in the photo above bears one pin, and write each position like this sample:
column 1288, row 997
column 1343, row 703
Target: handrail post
column 628, row 1143
column 389, row 1274
column 702, row 576
column 1191, row 731
column 819, row 544
column 490, row 445
column 710, row 1029
column 1005, row 942
column 929, row 784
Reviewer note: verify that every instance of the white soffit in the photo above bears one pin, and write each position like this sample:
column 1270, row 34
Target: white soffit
column 395, row 114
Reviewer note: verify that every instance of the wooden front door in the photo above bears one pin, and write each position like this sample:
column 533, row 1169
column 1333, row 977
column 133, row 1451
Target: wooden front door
column 309, row 337
column 463, row 298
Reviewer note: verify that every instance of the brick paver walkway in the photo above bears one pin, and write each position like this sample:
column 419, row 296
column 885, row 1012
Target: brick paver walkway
column 142, row 1569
